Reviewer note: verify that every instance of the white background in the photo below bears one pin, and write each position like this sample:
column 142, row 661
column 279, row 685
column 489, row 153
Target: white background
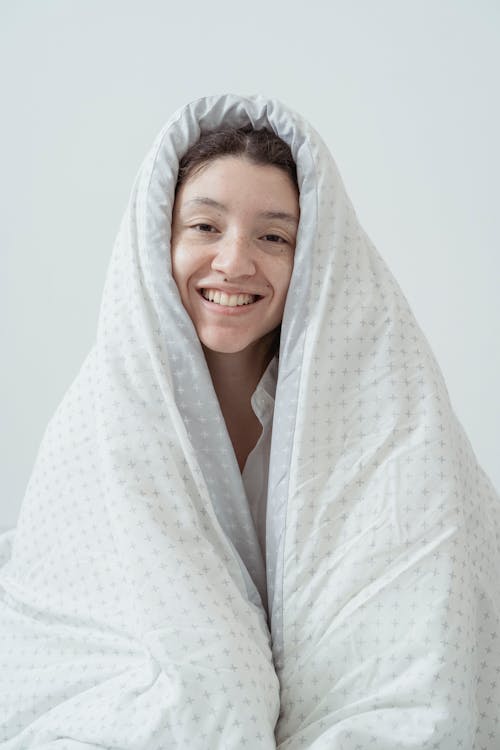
column 406, row 94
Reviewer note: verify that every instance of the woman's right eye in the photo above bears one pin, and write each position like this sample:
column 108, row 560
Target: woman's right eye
column 203, row 227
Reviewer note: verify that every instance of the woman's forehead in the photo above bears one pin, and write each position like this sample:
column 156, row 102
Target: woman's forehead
column 225, row 181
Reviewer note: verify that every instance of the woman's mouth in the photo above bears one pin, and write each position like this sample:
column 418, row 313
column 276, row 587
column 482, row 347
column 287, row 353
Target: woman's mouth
column 228, row 300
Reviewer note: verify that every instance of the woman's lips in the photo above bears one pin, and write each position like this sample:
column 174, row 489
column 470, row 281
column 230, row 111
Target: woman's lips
column 226, row 309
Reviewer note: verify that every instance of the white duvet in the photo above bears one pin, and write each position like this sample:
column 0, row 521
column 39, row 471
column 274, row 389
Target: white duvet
column 130, row 592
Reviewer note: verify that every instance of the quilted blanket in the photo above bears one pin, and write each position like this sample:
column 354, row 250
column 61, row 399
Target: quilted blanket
column 131, row 611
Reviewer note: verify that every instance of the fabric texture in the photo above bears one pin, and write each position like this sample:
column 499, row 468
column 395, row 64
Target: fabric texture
column 255, row 474
column 130, row 612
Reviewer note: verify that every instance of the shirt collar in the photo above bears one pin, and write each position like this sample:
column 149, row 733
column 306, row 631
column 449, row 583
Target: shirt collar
column 263, row 397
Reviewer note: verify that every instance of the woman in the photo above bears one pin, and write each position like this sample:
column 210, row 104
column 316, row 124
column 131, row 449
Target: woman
column 234, row 225
column 135, row 587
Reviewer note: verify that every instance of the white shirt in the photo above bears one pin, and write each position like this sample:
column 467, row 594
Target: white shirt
column 256, row 470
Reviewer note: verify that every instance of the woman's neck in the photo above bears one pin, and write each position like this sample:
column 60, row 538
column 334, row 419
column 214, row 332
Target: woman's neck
column 235, row 377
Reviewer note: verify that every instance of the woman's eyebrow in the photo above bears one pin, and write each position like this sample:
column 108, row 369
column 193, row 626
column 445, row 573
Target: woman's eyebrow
column 282, row 215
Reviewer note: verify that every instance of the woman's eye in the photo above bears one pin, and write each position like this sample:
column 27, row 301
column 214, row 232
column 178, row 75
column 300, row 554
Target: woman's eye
column 203, row 227
column 274, row 238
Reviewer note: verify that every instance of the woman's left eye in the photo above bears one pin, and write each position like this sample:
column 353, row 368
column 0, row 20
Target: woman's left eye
column 274, row 237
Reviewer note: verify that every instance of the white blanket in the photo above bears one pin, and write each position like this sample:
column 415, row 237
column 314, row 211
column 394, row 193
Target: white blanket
column 130, row 591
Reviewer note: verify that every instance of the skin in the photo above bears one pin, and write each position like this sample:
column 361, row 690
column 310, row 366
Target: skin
column 232, row 247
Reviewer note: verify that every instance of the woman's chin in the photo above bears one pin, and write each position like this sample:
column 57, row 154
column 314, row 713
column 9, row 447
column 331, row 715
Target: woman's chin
column 231, row 344
column 225, row 347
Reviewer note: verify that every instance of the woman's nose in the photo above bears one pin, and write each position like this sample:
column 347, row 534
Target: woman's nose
column 234, row 257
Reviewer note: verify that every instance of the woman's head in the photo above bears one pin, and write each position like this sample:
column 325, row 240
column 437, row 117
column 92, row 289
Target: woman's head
column 234, row 227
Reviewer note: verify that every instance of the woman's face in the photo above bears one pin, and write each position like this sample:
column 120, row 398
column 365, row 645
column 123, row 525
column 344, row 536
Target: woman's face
column 234, row 228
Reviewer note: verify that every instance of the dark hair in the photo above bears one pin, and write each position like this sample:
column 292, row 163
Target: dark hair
column 260, row 146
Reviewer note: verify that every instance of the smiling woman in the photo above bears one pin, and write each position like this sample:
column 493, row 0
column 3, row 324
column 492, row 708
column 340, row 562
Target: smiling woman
column 234, row 227
column 254, row 519
column 233, row 240
column 229, row 245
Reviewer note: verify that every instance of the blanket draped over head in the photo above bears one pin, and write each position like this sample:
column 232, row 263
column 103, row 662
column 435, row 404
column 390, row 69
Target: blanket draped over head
column 132, row 610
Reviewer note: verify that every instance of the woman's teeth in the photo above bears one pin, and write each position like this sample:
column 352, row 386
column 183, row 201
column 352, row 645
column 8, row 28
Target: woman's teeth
column 230, row 300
